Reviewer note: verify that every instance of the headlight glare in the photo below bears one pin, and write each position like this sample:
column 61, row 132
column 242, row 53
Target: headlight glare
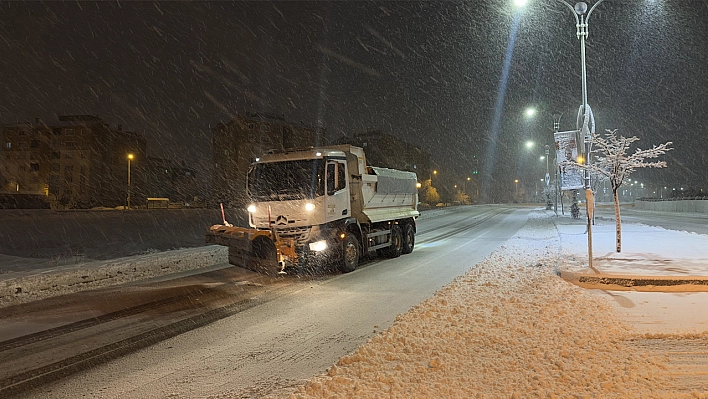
column 318, row 246
column 251, row 209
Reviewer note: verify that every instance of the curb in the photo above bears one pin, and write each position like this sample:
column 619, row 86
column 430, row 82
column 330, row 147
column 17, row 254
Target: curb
column 637, row 283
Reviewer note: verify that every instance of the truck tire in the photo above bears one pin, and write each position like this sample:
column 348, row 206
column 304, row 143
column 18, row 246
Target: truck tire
column 396, row 248
column 408, row 238
column 349, row 255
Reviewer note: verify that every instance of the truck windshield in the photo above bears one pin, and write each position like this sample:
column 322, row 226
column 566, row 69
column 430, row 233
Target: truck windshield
column 289, row 180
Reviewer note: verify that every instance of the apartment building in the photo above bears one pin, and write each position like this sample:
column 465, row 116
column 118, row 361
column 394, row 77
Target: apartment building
column 79, row 161
column 238, row 142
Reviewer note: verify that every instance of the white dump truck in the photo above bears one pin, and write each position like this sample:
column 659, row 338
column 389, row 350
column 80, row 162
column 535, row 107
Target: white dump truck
column 321, row 206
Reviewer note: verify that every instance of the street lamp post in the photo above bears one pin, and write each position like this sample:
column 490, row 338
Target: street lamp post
column 130, row 158
column 585, row 121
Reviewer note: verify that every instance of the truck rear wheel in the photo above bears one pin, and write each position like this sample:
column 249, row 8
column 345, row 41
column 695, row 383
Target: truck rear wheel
column 408, row 239
column 396, row 248
column 349, row 255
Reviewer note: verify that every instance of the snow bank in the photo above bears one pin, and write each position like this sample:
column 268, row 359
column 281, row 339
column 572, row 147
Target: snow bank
column 16, row 288
column 509, row 328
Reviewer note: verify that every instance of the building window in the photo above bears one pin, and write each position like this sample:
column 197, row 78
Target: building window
column 69, row 144
column 34, row 167
column 56, row 155
column 22, row 145
column 8, row 145
column 56, row 131
column 68, row 155
column 34, row 144
column 251, row 126
column 56, row 167
column 22, row 133
column 69, row 132
column 68, row 169
column 84, row 131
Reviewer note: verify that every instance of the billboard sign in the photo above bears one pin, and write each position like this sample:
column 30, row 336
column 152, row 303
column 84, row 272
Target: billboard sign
column 571, row 177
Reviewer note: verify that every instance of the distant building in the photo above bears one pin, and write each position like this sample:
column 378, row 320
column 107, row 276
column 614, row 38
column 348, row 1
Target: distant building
column 387, row 151
column 237, row 143
column 77, row 162
column 165, row 178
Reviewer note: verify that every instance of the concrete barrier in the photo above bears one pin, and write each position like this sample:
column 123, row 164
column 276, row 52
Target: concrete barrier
column 681, row 206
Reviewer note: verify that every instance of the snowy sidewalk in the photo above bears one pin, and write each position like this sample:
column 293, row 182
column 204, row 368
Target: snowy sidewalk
column 510, row 328
column 652, row 258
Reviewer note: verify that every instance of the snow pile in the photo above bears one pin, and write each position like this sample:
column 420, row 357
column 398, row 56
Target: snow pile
column 509, row 328
column 17, row 288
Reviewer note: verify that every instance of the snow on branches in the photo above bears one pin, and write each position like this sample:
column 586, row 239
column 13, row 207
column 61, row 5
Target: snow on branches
column 610, row 159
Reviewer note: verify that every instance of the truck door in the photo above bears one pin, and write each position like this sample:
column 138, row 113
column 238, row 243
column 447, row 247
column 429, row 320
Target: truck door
column 337, row 199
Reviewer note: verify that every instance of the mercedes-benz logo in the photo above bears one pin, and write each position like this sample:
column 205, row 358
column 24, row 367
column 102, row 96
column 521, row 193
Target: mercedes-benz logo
column 281, row 220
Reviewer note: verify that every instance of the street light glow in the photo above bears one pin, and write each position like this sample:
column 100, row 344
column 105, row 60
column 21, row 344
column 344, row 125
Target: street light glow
column 130, row 156
column 520, row 3
column 529, row 144
column 530, row 112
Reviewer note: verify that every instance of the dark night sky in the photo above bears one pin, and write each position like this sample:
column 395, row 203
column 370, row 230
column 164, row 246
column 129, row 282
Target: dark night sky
column 428, row 72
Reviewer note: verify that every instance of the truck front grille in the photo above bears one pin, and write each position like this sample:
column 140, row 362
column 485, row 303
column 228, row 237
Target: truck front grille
column 299, row 234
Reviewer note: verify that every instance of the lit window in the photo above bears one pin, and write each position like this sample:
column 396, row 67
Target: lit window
column 8, row 145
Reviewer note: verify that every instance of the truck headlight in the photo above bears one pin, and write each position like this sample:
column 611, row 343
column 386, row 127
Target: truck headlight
column 251, row 209
column 318, row 246
column 309, row 206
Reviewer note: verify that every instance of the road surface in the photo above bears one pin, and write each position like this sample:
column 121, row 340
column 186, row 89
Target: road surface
column 230, row 329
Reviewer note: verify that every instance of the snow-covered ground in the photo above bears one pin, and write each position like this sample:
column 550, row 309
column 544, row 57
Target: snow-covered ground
column 511, row 328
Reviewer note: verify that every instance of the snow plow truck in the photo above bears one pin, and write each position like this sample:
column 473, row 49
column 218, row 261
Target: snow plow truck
column 320, row 207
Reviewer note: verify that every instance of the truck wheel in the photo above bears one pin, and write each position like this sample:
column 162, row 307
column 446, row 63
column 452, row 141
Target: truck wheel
column 350, row 254
column 394, row 251
column 408, row 239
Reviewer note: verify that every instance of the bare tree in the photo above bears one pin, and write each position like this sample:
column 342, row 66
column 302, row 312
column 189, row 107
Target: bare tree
column 612, row 161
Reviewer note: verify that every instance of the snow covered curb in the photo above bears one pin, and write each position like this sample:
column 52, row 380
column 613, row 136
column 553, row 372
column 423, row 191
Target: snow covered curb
column 637, row 283
column 27, row 287
column 508, row 328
